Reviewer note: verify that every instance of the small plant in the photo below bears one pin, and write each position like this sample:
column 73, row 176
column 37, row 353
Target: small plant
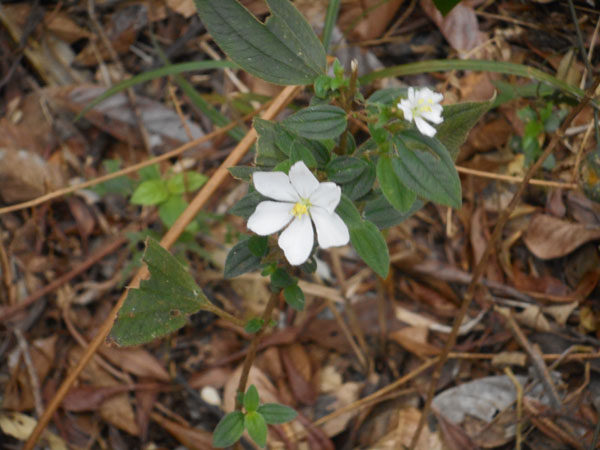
column 253, row 419
column 313, row 185
column 537, row 124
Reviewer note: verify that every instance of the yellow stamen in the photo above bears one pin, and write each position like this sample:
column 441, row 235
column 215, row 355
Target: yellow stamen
column 299, row 209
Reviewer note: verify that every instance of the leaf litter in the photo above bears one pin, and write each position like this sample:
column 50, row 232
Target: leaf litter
column 544, row 272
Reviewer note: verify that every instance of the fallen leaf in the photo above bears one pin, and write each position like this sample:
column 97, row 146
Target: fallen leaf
column 20, row 426
column 137, row 361
column 401, row 437
column 548, row 237
column 192, row 438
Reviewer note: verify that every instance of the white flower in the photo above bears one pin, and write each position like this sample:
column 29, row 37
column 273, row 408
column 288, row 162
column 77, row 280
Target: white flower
column 421, row 106
column 299, row 198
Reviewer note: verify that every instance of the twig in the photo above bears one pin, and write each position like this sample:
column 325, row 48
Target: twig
column 8, row 311
column 483, row 262
column 512, row 179
column 284, row 97
column 519, row 389
column 33, row 377
column 251, row 354
column 7, row 274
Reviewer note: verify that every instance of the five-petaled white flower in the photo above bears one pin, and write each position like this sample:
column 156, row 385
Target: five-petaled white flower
column 299, row 198
column 423, row 105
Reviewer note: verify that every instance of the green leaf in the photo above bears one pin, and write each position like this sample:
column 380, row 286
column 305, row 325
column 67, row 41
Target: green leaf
column 161, row 304
column 370, row 245
column 254, row 325
column 379, row 211
column 242, row 172
column 388, row 96
column 284, row 50
column 229, row 429
column 151, row 172
column 257, row 427
column 275, row 414
column 317, row 122
column 362, row 184
column 185, row 182
column 251, row 399
column 425, row 167
column 345, row 169
column 258, row 245
column 151, row 192
column 458, row 121
column 445, row 6
column 247, row 204
column 300, row 152
column 348, row 212
column 271, row 136
column 281, row 279
column 240, row 260
column 170, row 210
column 294, row 297
column 396, row 193
column 121, row 185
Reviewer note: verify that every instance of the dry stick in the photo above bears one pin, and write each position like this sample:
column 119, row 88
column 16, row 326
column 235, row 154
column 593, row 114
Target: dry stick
column 33, row 377
column 8, row 311
column 251, row 354
column 285, row 96
column 512, row 179
column 482, row 265
column 519, row 389
column 179, row 150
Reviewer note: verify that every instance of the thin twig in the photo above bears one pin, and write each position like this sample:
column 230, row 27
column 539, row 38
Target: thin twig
column 519, row 389
column 251, row 354
column 512, row 179
column 284, row 97
column 483, row 262
column 33, row 377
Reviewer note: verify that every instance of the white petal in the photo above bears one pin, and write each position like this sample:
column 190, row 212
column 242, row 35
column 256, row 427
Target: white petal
column 326, row 196
column 269, row 217
column 411, row 95
column 331, row 229
column 275, row 185
column 424, row 127
column 406, row 108
column 303, row 180
column 296, row 241
column 433, row 116
column 437, row 97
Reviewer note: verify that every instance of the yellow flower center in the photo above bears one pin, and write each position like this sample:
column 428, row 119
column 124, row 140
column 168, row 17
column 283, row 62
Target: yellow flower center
column 300, row 208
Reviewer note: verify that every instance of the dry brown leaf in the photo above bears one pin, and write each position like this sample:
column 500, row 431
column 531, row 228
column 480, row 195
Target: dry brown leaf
column 136, row 361
column 345, row 395
column 192, row 438
column 414, row 339
column 459, row 27
column 533, row 317
column 408, row 419
column 548, row 237
column 20, row 427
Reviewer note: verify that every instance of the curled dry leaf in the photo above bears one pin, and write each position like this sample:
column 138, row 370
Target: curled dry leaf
column 548, row 237
column 137, row 361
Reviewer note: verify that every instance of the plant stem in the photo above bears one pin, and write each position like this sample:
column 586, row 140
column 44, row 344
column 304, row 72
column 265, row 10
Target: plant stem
column 223, row 314
column 266, row 316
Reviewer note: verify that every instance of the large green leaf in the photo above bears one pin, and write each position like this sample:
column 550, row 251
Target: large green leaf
column 229, row 429
column 425, row 167
column 458, row 121
column 318, row 122
column 379, row 211
column 274, row 143
column 370, row 245
column 240, row 260
column 257, row 427
column 397, row 194
column 284, row 50
column 274, row 413
column 161, row 304
column 445, row 6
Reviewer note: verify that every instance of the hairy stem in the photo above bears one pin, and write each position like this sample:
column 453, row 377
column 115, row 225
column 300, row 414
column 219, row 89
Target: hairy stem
column 251, row 355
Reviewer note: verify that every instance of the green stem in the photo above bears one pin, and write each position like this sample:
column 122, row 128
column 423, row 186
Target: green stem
column 210, row 307
column 251, row 354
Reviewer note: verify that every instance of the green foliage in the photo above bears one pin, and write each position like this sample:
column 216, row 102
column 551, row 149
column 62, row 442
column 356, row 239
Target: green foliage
column 284, row 50
column 276, row 414
column 121, row 185
column 251, row 399
column 254, row 419
column 445, row 6
column 391, row 185
column 424, row 166
column 240, row 260
column 317, row 122
column 161, row 304
column 151, row 192
column 229, row 429
column 254, row 325
column 294, row 297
